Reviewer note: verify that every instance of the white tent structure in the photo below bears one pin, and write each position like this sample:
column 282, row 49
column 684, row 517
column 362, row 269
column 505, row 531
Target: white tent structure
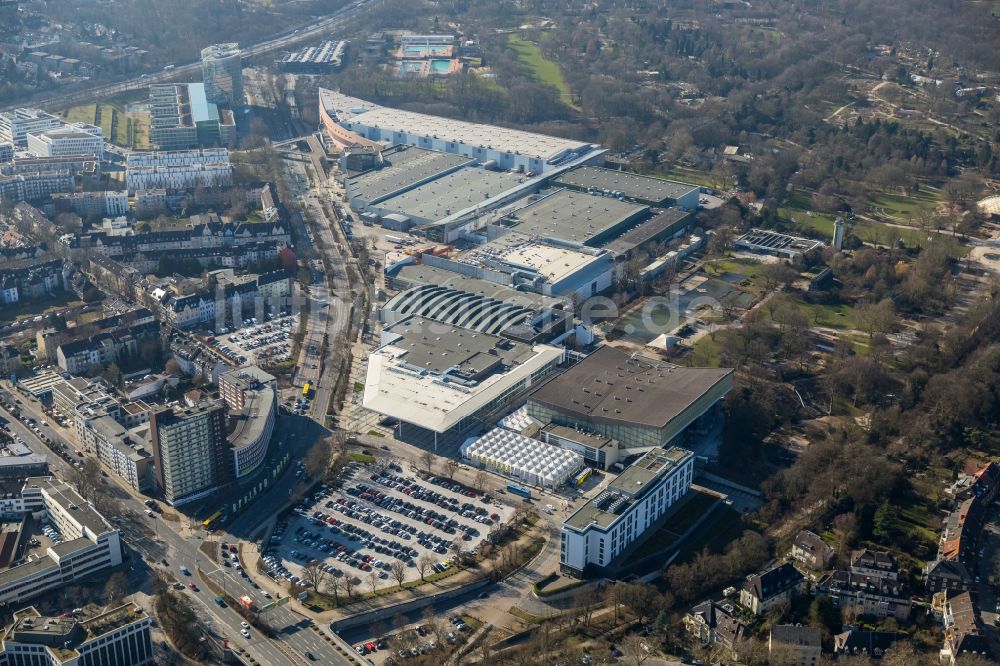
column 524, row 459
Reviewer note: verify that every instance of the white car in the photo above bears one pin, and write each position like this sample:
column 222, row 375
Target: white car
column 245, row 625
column 246, row 634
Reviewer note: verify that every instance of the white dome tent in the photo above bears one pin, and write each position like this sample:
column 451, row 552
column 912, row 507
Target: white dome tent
column 519, row 457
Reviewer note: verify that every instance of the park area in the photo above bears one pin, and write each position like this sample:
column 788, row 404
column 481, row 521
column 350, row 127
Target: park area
column 121, row 126
column 541, row 68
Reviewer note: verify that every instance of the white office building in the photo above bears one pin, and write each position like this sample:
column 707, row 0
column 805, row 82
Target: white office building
column 605, row 527
column 66, row 141
column 89, row 544
column 17, row 124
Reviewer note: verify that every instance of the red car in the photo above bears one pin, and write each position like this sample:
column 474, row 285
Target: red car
column 194, row 588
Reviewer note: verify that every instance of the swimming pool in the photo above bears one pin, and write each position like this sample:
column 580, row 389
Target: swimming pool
column 440, row 66
column 424, row 50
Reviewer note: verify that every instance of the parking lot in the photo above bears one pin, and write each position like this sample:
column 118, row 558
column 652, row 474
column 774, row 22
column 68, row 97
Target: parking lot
column 381, row 517
column 259, row 343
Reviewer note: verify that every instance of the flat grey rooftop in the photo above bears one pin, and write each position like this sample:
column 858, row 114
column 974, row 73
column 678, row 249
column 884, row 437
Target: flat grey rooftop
column 64, row 495
column 465, row 188
column 15, row 574
column 250, row 422
column 412, row 275
column 608, row 507
column 436, row 347
column 631, row 185
column 646, row 231
column 614, row 386
column 588, row 438
column 574, row 216
column 404, row 168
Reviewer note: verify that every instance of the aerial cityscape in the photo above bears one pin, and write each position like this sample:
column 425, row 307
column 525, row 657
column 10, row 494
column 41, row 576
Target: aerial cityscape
column 512, row 333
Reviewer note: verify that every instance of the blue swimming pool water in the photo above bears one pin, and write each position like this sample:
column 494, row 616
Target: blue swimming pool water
column 440, row 66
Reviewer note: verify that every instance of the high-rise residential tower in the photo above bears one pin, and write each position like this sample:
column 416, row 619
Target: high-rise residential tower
column 189, row 447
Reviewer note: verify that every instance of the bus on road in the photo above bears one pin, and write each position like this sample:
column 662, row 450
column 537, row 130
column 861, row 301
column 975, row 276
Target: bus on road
column 305, row 390
column 211, row 520
column 519, row 490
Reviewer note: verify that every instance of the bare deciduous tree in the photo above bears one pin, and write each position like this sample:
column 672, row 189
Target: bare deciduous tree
column 479, row 480
column 314, row 574
column 635, row 651
column 397, row 569
column 427, row 458
column 424, row 563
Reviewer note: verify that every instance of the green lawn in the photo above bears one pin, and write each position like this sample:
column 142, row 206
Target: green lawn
column 80, row 114
column 748, row 268
column 704, row 353
column 901, row 207
column 821, row 224
column 540, row 67
column 830, row 316
column 691, row 176
column 137, row 122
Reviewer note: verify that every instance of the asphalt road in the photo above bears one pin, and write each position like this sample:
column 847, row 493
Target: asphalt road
column 330, row 298
column 78, row 95
column 160, row 540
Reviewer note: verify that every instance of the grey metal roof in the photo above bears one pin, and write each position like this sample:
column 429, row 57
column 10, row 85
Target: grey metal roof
column 631, row 185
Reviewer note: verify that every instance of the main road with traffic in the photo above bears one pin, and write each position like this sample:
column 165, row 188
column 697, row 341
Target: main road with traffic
column 167, row 545
column 89, row 93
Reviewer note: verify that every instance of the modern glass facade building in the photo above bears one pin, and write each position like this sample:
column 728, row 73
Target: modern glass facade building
column 222, row 73
column 182, row 117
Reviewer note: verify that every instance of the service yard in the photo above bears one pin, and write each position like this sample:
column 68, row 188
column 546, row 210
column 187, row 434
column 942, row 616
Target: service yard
column 379, row 517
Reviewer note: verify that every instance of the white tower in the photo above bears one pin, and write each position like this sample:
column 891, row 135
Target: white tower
column 839, row 227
